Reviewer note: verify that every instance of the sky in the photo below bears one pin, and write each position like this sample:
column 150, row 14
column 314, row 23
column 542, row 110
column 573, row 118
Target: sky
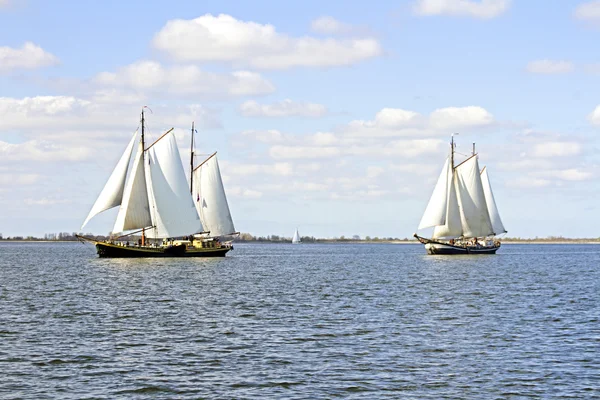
column 334, row 117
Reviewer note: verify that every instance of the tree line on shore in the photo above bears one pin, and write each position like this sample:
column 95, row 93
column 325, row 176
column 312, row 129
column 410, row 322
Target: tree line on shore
column 247, row 237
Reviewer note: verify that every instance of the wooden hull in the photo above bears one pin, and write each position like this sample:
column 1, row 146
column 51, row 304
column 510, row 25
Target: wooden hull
column 434, row 247
column 108, row 250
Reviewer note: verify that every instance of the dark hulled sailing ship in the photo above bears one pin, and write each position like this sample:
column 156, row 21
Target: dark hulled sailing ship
column 462, row 210
column 155, row 200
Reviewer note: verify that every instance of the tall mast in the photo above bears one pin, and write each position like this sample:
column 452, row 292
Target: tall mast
column 192, row 160
column 452, row 151
column 143, row 229
column 142, row 133
column 473, row 148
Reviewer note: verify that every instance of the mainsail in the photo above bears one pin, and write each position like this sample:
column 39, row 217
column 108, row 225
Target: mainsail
column 209, row 197
column 462, row 203
column 171, row 206
column 112, row 193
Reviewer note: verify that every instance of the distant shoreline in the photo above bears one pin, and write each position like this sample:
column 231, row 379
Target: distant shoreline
column 333, row 241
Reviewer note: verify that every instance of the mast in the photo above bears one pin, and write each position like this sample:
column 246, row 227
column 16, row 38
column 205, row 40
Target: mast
column 473, row 148
column 192, row 159
column 451, row 150
column 143, row 163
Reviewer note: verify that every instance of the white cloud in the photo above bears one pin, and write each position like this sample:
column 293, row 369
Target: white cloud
column 30, row 56
column 528, row 183
column 588, row 11
column 56, row 116
column 152, row 77
column 594, row 117
column 399, row 122
column 483, row 9
column 327, row 25
column 224, row 38
column 280, row 169
column 550, row 67
column 458, row 117
column 285, row 108
column 17, row 179
column 237, row 191
column 572, row 174
column 374, row 171
column 42, row 151
column 294, row 152
column 557, row 149
column 268, row 136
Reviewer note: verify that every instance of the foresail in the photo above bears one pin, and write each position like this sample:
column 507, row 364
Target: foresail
column 435, row 213
column 210, row 198
column 453, row 225
column 112, row 193
column 171, row 206
column 134, row 212
column 497, row 224
column 471, row 199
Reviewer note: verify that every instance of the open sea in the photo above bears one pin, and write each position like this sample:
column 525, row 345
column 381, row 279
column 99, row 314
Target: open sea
column 308, row 321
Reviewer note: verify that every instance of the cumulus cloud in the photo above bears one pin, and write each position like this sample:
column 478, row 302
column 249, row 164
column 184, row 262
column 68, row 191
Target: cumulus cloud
column 482, row 9
column 399, row 122
column 42, row 151
column 152, row 77
column 327, row 25
column 224, row 38
column 557, row 149
column 30, row 56
column 588, row 11
column 285, row 108
column 550, row 67
column 55, row 116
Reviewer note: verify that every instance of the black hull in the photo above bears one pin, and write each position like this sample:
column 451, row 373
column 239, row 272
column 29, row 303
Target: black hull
column 107, row 250
column 435, row 247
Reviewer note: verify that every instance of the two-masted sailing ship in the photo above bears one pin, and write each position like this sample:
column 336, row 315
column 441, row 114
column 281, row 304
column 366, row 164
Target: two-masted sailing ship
column 462, row 210
column 154, row 199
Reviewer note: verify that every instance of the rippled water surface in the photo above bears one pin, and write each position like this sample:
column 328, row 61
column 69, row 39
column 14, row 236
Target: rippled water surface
column 304, row 321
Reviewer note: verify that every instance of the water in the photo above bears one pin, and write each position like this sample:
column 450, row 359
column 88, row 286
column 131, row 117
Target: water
column 300, row 322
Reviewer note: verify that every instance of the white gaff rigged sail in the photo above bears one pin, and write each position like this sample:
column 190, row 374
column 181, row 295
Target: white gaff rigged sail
column 134, row 212
column 497, row 224
column 471, row 199
column 171, row 206
column 453, row 227
column 210, row 198
column 112, row 193
column 435, row 213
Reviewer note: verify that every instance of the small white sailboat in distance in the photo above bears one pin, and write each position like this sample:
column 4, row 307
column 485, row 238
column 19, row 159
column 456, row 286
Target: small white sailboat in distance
column 296, row 238
column 462, row 210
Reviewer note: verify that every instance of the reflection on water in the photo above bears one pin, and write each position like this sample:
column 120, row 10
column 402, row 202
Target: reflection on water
column 302, row 321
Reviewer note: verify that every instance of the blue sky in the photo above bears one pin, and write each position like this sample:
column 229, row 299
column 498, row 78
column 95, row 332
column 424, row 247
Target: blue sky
column 331, row 117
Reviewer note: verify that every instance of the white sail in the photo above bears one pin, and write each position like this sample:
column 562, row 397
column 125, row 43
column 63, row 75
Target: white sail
column 471, row 199
column 112, row 193
column 452, row 228
column 435, row 213
column 296, row 238
column 210, row 199
column 134, row 212
column 171, row 206
column 497, row 224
